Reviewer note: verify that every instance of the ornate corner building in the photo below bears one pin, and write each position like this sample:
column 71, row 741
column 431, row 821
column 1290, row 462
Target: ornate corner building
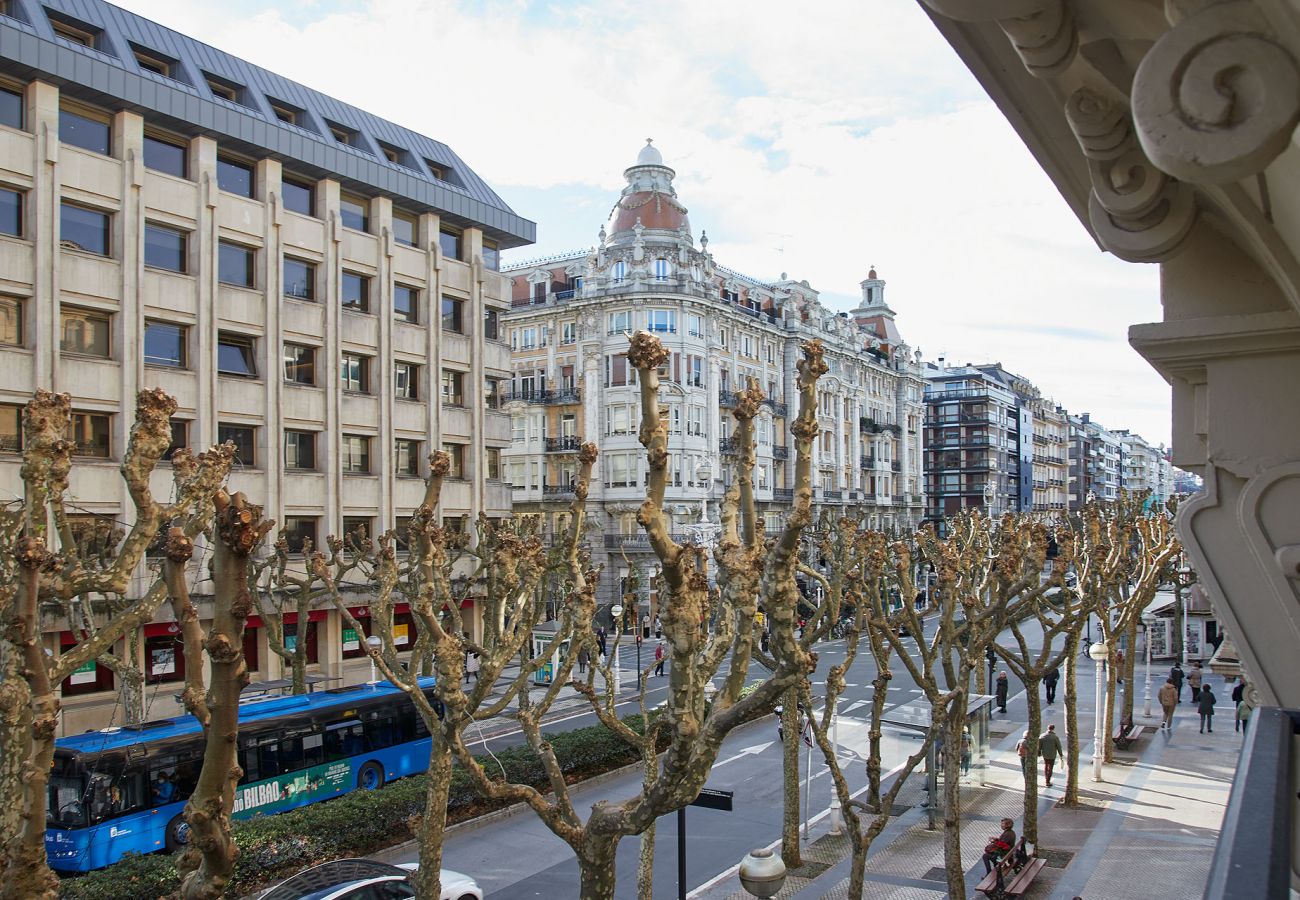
column 568, row 328
column 1170, row 130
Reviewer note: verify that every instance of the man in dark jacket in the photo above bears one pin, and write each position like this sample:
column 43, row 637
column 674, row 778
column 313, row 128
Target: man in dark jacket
column 1049, row 748
column 1001, row 692
column 1238, row 694
column 1049, row 684
column 1176, row 676
column 1205, row 706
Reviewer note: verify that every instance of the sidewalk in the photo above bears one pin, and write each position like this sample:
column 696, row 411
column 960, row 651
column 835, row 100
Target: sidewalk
column 1146, row 832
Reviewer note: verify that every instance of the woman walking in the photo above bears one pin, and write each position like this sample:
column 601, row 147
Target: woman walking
column 1205, row 706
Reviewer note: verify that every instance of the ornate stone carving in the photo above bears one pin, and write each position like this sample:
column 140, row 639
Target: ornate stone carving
column 1217, row 98
column 1137, row 212
column 1042, row 31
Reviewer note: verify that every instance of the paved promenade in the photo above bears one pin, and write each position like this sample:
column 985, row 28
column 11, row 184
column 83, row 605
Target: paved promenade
column 1146, row 832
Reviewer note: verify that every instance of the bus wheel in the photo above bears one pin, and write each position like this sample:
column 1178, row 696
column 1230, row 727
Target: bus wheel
column 370, row 776
column 178, row 833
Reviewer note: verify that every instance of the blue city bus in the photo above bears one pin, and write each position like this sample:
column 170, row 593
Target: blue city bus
column 123, row 790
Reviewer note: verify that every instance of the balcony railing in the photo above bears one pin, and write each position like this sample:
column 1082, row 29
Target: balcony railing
column 729, row 445
column 785, row 495
column 642, row 540
column 833, row 496
column 557, row 490
column 896, row 465
column 727, row 399
column 867, row 463
column 549, row 397
column 563, row 444
column 958, row 394
column 779, row 452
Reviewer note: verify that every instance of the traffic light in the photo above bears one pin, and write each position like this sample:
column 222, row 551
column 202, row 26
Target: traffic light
column 991, row 655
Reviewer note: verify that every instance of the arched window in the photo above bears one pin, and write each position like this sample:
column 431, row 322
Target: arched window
column 619, row 272
column 661, row 269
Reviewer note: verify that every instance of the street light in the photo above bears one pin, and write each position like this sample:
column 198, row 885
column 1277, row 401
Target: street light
column 837, row 815
column 617, row 612
column 1147, row 625
column 762, row 873
column 990, row 491
column 374, row 643
column 1099, row 653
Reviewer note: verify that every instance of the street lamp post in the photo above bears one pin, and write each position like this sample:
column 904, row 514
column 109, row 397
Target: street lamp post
column 837, row 815
column 762, row 873
column 374, row 643
column 1185, row 580
column 617, row 612
column 1147, row 626
column 1099, row 652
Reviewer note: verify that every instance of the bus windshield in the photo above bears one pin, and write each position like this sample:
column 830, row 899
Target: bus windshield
column 65, row 808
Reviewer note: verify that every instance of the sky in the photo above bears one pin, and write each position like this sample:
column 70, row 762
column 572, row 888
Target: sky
column 817, row 141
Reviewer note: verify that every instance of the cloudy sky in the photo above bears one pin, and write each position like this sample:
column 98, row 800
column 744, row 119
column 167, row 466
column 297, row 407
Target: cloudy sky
column 817, row 140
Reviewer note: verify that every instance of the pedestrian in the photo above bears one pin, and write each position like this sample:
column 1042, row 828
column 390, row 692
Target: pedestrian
column 600, row 640
column 762, row 641
column 1238, row 694
column 999, row 845
column 1049, row 748
column 1194, row 678
column 1026, row 761
column 659, row 659
column 1176, row 676
column 471, row 667
column 1049, row 684
column 1168, row 697
column 659, row 628
column 1205, row 706
column 1244, row 709
column 965, row 751
column 583, row 658
column 1119, row 666
column 1001, row 691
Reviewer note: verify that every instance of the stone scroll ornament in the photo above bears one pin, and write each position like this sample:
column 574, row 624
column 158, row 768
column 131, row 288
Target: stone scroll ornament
column 1137, row 211
column 1042, row 31
column 1217, row 98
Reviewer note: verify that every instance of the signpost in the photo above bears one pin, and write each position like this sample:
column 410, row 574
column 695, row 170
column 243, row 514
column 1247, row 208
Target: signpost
column 708, row 799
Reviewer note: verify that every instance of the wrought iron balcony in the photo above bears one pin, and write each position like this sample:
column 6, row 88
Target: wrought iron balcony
column 727, row 399
column 780, row 452
column 833, row 496
column 785, row 495
column 896, row 465
column 549, row 397
column 563, row 444
column 867, row 463
column 778, row 407
column 557, row 490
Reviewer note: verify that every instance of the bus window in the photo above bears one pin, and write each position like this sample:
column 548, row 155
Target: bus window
column 65, row 809
column 162, row 785
column 380, row 732
column 268, row 760
column 291, row 759
column 343, row 739
column 313, row 753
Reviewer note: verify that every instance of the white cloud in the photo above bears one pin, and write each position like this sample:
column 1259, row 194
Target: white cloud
column 845, row 134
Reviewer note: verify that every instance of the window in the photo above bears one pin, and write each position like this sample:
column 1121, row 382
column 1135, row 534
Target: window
column 695, row 420
column 348, row 137
column 244, row 437
column 11, row 212
column 355, row 213
column 491, row 256
column 694, row 326
column 90, row 432
column 164, row 344
column 622, row 470
column 235, row 264
column 620, row 419
column 300, row 450
column 493, row 459
column 569, row 332
column 235, row 355
column 356, row 292
column 298, row 530
column 355, row 453
column 355, row 372
column 71, row 30
column 164, row 658
column 661, row 269
column 298, row 196
column 165, row 247
column 395, row 155
column 449, row 243
column 663, row 321
column 619, row 272
column 493, row 393
column 457, row 454
column 85, row 331
column 84, row 229
column 11, row 321
column 405, row 228
column 437, row 170
column 11, row 429
column 406, row 303
column 406, row 381
column 226, row 89
column 299, row 279
column 286, row 112
column 234, row 177
column 153, row 61
column 357, row 528
column 406, row 456
column 180, row 437
column 491, row 324
column 452, row 320
column 11, row 108
column 453, row 388
column 518, row 431
column 299, row 364
column 620, row 322
column 165, row 156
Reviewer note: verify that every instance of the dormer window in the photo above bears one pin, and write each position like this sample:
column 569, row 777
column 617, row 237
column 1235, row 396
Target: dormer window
column 77, row 32
column 153, row 61
column 226, row 89
column 349, row 137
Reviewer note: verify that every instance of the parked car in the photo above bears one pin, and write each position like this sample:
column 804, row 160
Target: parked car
column 366, row 879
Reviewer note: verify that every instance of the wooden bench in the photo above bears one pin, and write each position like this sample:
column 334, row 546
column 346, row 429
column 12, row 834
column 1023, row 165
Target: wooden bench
column 1127, row 733
column 1013, row 874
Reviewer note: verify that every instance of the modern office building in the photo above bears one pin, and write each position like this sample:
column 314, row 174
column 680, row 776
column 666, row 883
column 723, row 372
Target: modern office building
column 311, row 282
column 568, row 329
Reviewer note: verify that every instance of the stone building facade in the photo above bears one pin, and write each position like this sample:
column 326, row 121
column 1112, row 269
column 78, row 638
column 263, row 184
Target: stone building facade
column 568, row 328
column 311, row 282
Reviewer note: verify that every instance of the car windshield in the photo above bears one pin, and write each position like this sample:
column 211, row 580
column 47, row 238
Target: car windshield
column 65, row 809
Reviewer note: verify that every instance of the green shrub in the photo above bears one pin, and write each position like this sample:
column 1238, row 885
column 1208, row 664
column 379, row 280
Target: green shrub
column 359, row 823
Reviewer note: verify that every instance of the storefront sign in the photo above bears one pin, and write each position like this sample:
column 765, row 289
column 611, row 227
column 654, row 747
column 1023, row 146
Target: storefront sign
column 84, row 675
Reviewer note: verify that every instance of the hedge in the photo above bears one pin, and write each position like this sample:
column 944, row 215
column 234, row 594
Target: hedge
column 358, row 823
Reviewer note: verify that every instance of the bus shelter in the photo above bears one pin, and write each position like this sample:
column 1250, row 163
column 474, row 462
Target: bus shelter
column 544, row 635
column 975, row 750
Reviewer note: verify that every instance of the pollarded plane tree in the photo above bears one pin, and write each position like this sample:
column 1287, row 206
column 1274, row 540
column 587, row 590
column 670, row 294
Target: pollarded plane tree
column 689, row 730
column 501, row 572
column 34, row 577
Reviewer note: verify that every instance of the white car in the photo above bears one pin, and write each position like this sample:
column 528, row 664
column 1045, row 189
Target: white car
column 366, row 879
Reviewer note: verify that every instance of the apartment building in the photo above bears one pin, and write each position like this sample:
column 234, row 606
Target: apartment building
column 1094, row 462
column 1144, row 467
column 311, row 282
column 568, row 328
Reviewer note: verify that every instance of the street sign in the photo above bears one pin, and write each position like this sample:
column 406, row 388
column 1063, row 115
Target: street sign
column 711, row 799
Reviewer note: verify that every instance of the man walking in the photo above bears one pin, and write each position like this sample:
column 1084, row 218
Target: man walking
column 1001, row 692
column 1049, row 684
column 1176, row 679
column 1049, row 748
column 1194, row 681
column 1238, row 694
column 1168, row 697
column 1205, row 706
column 659, row 659
column 1026, row 762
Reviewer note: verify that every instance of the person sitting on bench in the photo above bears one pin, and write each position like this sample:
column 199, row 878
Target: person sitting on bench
column 999, row 845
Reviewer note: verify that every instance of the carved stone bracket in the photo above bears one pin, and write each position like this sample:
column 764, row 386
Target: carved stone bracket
column 1217, row 98
column 1042, row 31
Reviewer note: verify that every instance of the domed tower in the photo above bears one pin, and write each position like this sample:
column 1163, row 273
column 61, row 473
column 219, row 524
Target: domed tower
column 648, row 199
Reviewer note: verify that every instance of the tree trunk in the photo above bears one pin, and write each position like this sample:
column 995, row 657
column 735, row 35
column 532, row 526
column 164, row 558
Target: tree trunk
column 790, row 849
column 596, row 865
column 951, row 728
column 1108, row 713
column 1180, row 628
column 645, row 870
column 878, row 700
column 1130, row 664
column 434, row 824
column 15, row 742
column 1035, row 704
column 1071, row 720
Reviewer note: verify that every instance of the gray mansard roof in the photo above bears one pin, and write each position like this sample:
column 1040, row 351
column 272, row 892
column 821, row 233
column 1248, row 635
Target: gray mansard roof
column 110, row 76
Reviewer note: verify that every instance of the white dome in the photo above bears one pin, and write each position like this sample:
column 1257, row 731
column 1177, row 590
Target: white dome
column 649, row 156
